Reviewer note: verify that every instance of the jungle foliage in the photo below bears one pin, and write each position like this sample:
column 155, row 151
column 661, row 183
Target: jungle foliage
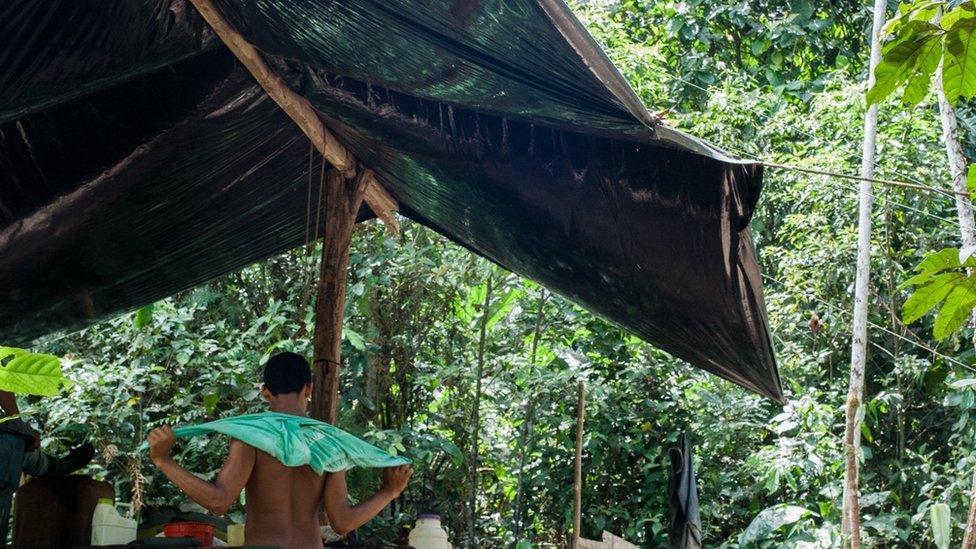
column 781, row 81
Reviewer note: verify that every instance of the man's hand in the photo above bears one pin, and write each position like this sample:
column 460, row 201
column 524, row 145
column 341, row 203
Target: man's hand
column 395, row 479
column 161, row 442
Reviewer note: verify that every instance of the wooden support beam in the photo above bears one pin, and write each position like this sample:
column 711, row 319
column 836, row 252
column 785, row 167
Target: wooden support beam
column 382, row 204
column 342, row 203
column 299, row 109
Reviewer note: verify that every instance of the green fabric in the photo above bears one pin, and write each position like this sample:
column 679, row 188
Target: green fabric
column 297, row 441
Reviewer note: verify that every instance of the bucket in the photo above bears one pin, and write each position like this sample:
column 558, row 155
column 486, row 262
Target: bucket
column 200, row 531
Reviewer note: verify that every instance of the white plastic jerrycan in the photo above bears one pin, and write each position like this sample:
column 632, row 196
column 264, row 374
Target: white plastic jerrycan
column 428, row 534
column 111, row 528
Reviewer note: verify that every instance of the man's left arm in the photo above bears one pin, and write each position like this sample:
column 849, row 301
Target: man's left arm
column 215, row 497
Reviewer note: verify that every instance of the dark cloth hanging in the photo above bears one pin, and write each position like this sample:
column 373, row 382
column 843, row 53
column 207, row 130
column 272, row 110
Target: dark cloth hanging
column 137, row 159
column 684, row 531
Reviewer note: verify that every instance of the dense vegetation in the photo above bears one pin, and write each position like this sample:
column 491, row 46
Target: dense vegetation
column 781, row 81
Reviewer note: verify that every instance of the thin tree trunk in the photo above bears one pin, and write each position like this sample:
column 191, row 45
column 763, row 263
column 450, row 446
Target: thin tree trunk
column 967, row 228
column 342, row 201
column 578, row 468
column 851, row 513
column 526, row 435
column 476, row 417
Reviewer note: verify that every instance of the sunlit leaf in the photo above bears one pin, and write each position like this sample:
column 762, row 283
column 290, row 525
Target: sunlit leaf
column 926, row 297
column 941, row 524
column 959, row 66
column 27, row 373
column 956, row 310
column 905, row 59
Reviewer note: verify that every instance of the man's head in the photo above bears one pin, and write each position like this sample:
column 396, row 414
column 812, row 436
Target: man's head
column 287, row 380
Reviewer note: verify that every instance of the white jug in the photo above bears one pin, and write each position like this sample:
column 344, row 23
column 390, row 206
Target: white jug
column 428, row 534
column 111, row 528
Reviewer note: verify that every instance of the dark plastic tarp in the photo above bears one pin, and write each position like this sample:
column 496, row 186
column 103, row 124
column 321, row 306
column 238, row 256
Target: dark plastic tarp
column 138, row 159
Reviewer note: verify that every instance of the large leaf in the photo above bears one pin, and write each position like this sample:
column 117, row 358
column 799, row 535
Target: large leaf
column 934, row 263
column 941, row 525
column 927, row 296
column 770, row 520
column 27, row 373
column 957, row 308
column 959, row 66
column 905, row 59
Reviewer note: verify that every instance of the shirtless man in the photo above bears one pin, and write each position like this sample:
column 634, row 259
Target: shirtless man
column 284, row 504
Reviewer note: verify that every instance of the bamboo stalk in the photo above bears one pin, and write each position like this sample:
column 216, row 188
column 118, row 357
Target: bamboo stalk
column 578, row 468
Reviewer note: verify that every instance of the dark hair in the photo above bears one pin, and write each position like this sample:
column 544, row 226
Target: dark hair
column 286, row 373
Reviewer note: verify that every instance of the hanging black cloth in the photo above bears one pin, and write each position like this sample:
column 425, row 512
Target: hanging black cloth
column 684, row 531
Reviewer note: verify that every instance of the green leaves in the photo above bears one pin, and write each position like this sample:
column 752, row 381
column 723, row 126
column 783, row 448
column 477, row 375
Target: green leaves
column 941, row 525
column 910, row 60
column 941, row 279
column 912, row 57
column 770, row 520
column 27, row 373
column 959, row 67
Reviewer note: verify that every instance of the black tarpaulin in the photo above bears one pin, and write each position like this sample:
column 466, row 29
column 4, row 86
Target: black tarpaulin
column 137, row 159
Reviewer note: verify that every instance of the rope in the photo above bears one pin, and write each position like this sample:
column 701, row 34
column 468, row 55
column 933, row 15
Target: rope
column 890, row 182
column 308, row 194
column 912, row 342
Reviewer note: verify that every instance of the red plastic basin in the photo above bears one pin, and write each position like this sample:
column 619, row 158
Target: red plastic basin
column 198, row 530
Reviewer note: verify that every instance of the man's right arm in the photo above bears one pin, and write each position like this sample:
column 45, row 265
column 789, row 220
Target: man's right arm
column 216, row 497
column 344, row 518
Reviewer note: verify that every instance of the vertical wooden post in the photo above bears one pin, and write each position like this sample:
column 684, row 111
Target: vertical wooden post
column 578, row 469
column 342, row 201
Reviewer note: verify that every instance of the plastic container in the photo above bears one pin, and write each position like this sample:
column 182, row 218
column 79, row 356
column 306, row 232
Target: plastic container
column 428, row 534
column 109, row 527
column 200, row 531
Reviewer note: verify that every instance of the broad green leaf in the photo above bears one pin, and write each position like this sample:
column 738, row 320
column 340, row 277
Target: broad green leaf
column 502, row 307
column 941, row 524
column 959, row 66
column 962, row 11
column 901, row 58
column 143, row 316
column 963, row 383
column 933, row 264
column 354, row 338
column 957, row 308
column 929, row 295
column 26, row 373
column 770, row 520
column 919, row 80
column 971, row 181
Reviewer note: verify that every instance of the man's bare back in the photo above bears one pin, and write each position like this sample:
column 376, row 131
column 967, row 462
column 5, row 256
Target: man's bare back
column 283, row 504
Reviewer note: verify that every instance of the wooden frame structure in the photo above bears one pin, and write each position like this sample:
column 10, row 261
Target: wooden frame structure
column 346, row 188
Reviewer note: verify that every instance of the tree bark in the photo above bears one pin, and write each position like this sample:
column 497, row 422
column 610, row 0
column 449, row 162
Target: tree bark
column 578, row 468
column 967, row 229
column 342, row 201
column 476, row 417
column 851, row 513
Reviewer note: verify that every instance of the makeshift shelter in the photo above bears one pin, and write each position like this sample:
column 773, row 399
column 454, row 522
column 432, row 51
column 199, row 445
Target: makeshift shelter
column 138, row 159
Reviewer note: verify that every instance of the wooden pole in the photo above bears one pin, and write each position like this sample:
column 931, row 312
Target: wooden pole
column 298, row 109
column 850, row 509
column 578, row 468
column 476, row 414
column 342, row 201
